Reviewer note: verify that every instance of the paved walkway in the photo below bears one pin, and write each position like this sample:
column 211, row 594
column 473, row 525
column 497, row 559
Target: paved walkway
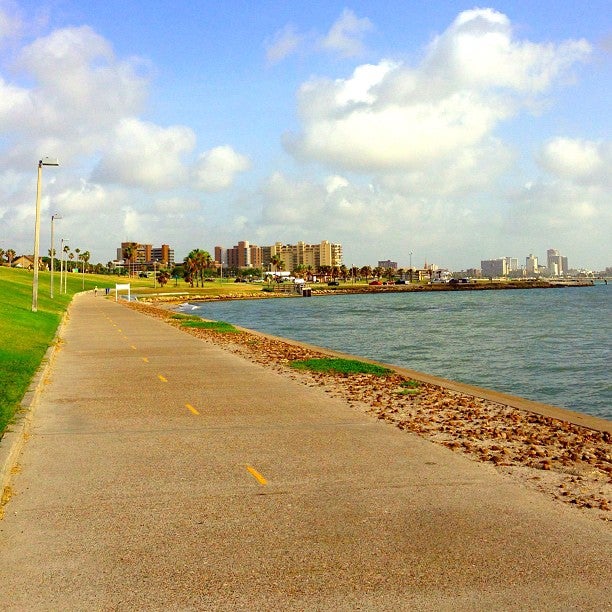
column 165, row 473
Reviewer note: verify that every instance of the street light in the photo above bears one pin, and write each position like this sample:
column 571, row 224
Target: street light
column 45, row 161
column 53, row 217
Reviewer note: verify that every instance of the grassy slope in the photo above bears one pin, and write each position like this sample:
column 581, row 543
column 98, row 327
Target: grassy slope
column 26, row 335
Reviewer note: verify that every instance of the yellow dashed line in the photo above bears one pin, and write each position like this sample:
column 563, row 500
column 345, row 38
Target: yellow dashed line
column 162, row 378
column 190, row 407
column 133, row 347
column 258, row 477
column 145, row 359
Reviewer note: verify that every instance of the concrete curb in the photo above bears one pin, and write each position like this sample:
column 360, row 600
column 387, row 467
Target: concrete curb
column 17, row 431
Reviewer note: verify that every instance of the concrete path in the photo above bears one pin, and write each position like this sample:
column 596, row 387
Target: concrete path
column 163, row 473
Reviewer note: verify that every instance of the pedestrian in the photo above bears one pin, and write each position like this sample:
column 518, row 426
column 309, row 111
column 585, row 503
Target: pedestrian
column 96, row 291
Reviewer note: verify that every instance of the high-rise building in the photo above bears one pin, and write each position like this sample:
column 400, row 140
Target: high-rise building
column 163, row 254
column 146, row 254
column 241, row 255
column 245, row 255
column 531, row 264
column 556, row 263
column 494, row 267
column 310, row 255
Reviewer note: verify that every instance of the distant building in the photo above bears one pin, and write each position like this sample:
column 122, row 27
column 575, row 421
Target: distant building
column 147, row 255
column 511, row 264
column 557, row 264
column 388, row 264
column 494, row 267
column 241, row 255
column 246, row 255
column 27, row 262
column 531, row 265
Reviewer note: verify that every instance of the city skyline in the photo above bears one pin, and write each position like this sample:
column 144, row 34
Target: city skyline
column 451, row 133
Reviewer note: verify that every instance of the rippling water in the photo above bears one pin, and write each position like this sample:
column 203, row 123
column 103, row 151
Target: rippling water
column 549, row 345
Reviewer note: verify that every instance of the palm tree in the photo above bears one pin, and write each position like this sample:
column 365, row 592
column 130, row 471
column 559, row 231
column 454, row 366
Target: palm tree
column 199, row 261
column 276, row 261
column 85, row 255
column 1, row 256
column 129, row 254
column 189, row 270
column 10, row 255
column 325, row 271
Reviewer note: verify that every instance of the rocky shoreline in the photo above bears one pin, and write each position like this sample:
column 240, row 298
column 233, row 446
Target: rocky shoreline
column 567, row 462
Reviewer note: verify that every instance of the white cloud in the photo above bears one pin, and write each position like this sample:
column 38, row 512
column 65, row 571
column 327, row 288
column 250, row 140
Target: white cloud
column 478, row 50
column 392, row 117
column 577, row 160
column 346, row 33
column 146, row 155
column 284, row 43
column 216, row 169
column 572, row 200
column 344, row 38
column 94, row 89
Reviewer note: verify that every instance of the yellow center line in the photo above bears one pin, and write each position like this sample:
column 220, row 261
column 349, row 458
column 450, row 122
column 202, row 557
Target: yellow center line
column 190, row 407
column 133, row 347
column 145, row 359
column 162, row 378
column 258, row 477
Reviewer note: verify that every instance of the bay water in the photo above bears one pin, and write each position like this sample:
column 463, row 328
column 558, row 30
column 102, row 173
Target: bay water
column 548, row 345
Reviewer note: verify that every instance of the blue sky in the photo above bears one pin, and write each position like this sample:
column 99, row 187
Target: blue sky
column 435, row 128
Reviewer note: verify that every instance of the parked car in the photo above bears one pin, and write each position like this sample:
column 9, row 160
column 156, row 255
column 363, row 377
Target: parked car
column 333, row 283
column 375, row 282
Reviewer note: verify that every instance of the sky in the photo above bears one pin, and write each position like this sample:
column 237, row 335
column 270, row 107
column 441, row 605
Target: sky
column 417, row 131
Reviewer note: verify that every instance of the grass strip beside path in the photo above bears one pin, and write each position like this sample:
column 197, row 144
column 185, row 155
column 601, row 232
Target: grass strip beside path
column 340, row 366
column 25, row 336
column 219, row 326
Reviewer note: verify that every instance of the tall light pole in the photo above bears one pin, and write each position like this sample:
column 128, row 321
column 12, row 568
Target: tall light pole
column 411, row 272
column 53, row 217
column 45, row 161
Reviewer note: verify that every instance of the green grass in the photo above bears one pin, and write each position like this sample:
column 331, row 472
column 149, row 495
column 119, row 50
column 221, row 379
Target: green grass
column 26, row 335
column 329, row 365
column 218, row 326
column 409, row 387
column 185, row 317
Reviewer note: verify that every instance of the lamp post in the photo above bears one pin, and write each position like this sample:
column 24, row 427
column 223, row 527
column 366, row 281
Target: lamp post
column 410, row 266
column 45, row 161
column 53, row 217
column 154, row 273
